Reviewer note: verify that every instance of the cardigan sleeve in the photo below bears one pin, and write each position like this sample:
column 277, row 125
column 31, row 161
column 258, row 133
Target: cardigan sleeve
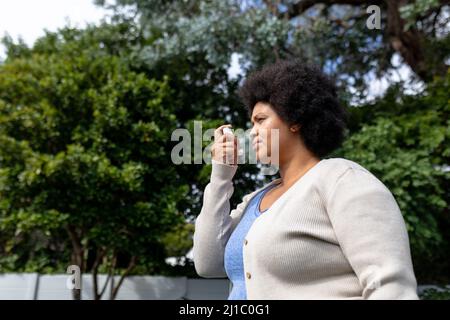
column 372, row 234
column 215, row 223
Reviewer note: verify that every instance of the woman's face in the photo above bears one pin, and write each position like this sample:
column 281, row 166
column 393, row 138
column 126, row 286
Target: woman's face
column 270, row 134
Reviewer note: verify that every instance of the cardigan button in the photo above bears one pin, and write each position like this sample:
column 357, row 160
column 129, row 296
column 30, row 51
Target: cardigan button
column 245, row 241
column 249, row 275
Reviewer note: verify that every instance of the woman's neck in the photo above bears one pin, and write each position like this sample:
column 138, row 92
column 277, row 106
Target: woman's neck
column 295, row 167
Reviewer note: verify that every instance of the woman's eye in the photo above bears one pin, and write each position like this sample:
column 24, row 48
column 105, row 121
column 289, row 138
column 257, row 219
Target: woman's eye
column 259, row 120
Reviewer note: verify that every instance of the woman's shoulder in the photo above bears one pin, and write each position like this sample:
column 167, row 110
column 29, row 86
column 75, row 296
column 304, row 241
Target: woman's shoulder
column 336, row 170
column 341, row 164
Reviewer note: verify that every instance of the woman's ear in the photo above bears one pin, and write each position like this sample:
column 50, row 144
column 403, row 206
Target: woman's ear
column 295, row 128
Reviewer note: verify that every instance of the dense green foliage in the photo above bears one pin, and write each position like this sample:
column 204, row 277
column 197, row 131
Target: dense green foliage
column 83, row 152
column 405, row 141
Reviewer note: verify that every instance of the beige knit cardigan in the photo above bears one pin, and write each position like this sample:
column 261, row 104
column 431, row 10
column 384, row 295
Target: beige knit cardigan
column 336, row 233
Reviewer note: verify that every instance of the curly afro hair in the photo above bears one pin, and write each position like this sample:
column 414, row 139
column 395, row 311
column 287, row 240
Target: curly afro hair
column 300, row 94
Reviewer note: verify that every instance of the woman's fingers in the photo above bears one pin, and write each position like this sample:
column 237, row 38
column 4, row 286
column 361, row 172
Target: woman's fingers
column 227, row 138
column 227, row 143
column 225, row 146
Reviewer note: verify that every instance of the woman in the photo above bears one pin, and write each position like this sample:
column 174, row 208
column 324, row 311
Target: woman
column 327, row 229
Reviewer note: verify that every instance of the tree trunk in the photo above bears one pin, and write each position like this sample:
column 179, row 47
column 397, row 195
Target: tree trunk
column 409, row 43
column 130, row 267
column 99, row 295
column 98, row 259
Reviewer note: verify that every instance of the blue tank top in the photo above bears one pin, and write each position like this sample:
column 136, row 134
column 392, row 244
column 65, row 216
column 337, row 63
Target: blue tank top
column 233, row 257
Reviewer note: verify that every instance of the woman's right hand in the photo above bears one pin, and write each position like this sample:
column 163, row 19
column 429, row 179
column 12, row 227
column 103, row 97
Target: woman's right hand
column 224, row 149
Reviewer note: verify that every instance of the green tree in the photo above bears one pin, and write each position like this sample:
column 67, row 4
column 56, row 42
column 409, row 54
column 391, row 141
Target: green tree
column 85, row 148
column 331, row 33
column 405, row 141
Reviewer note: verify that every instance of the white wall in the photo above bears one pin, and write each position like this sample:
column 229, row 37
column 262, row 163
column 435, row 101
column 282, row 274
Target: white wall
column 32, row 286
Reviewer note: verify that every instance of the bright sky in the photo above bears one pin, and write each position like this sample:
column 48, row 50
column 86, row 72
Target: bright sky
column 29, row 18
